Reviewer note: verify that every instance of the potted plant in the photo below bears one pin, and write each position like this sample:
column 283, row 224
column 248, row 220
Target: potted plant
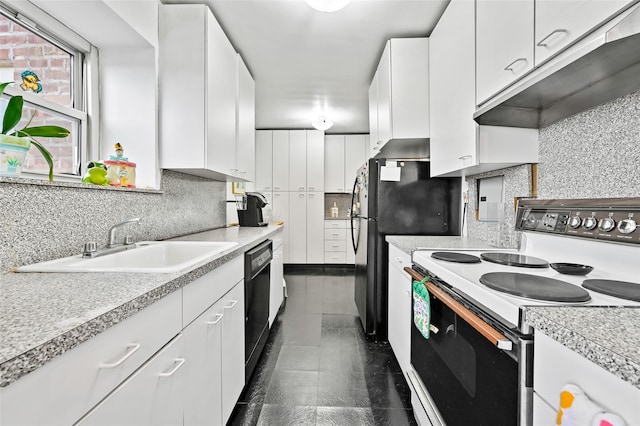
column 15, row 143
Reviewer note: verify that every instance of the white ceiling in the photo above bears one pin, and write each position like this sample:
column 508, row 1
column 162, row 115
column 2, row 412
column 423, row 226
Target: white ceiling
column 307, row 63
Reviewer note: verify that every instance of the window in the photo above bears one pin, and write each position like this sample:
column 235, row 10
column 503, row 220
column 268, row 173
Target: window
column 49, row 74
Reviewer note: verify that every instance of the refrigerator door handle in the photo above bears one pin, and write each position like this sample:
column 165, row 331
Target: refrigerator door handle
column 353, row 215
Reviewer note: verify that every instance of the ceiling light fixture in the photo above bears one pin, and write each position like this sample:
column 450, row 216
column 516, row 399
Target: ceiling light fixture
column 322, row 124
column 327, row 5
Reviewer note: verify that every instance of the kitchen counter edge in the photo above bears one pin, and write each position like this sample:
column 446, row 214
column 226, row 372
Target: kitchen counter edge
column 36, row 351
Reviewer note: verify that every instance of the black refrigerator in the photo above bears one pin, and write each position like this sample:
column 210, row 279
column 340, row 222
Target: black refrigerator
column 394, row 197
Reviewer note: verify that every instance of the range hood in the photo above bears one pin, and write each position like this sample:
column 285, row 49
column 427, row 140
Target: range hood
column 606, row 67
column 405, row 149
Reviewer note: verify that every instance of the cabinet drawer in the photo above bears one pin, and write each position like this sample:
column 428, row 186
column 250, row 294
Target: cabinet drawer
column 71, row 384
column 335, row 246
column 336, row 224
column 206, row 290
column 335, row 234
column 331, row 257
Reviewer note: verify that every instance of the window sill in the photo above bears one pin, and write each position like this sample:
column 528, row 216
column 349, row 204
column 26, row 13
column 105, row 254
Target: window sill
column 77, row 185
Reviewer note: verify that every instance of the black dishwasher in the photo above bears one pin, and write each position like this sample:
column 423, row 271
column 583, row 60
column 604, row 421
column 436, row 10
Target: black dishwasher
column 257, row 277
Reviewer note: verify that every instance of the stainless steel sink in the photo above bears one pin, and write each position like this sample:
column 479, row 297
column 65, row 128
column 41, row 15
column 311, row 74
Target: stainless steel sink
column 147, row 257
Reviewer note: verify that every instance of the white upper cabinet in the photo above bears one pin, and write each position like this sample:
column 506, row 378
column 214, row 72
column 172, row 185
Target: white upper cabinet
column 246, row 123
column 264, row 160
column 315, row 160
column 334, row 159
column 504, row 43
column 458, row 145
column 355, row 155
column 280, row 160
column 199, row 123
column 298, row 160
column 559, row 23
column 401, row 92
column 373, row 117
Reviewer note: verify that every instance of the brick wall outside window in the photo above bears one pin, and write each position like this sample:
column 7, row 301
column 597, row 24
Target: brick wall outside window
column 20, row 50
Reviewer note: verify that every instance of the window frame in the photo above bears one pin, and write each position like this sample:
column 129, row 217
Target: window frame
column 84, row 82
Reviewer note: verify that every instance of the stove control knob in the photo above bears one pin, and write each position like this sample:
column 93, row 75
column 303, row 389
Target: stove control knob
column 575, row 222
column 590, row 223
column 627, row 226
column 606, row 224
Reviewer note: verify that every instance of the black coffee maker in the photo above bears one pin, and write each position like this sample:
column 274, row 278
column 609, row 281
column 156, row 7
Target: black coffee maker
column 250, row 214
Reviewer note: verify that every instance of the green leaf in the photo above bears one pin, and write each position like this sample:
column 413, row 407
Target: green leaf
column 45, row 131
column 47, row 156
column 3, row 85
column 12, row 114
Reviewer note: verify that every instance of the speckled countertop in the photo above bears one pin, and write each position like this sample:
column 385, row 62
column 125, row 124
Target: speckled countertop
column 411, row 243
column 607, row 336
column 43, row 315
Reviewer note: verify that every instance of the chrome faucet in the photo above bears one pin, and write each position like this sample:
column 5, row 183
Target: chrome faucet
column 112, row 233
column 91, row 249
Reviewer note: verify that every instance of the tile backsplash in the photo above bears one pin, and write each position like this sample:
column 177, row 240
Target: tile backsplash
column 44, row 222
column 593, row 154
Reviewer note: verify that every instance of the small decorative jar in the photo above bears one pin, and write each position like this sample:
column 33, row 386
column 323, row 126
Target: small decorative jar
column 13, row 152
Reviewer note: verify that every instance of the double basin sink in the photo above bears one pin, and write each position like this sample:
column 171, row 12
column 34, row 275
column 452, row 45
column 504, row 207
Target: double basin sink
column 146, row 257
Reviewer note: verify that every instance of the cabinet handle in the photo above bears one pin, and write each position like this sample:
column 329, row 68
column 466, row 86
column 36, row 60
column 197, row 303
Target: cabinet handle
column 241, row 172
column 301, row 188
column 300, row 195
column 398, row 260
column 311, row 195
column 334, row 246
column 408, row 293
column 231, row 305
column 335, row 235
column 464, row 157
column 510, row 66
column 267, row 187
column 276, row 187
column 179, row 362
column 215, row 321
column 312, row 188
column 133, row 348
column 340, row 190
column 542, row 43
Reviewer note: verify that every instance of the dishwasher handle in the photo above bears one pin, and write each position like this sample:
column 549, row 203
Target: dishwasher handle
column 489, row 333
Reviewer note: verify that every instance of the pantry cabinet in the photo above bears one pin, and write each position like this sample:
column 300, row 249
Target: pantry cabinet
column 281, row 160
column 306, row 237
column 458, row 145
column 199, row 94
column 281, row 212
column 306, row 158
column 399, row 92
column 504, row 43
column 264, row 161
column 559, row 24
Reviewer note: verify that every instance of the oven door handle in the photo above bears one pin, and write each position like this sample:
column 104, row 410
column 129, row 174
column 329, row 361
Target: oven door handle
column 490, row 333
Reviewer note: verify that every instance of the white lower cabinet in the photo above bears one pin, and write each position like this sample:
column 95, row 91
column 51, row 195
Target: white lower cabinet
column 232, row 349
column 400, row 307
column 306, row 233
column 153, row 395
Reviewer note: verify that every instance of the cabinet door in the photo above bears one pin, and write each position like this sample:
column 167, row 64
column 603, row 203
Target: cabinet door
column 281, row 212
column 400, row 307
column 246, row 116
column 334, row 160
column 298, row 229
column 384, row 95
column 315, row 227
column 152, row 396
column 276, row 295
column 264, row 160
column 298, row 160
column 504, row 42
column 315, row 161
column 203, row 347
column 373, row 116
column 559, row 23
column 233, row 355
column 452, row 83
column 355, row 155
column 221, row 87
column 280, row 160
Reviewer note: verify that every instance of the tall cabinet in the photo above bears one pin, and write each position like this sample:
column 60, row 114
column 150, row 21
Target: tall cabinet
column 343, row 156
column 290, row 172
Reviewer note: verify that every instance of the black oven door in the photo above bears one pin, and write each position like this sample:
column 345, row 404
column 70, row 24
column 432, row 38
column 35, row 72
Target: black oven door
column 470, row 380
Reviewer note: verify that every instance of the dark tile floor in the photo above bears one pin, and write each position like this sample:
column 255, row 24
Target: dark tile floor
column 318, row 368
